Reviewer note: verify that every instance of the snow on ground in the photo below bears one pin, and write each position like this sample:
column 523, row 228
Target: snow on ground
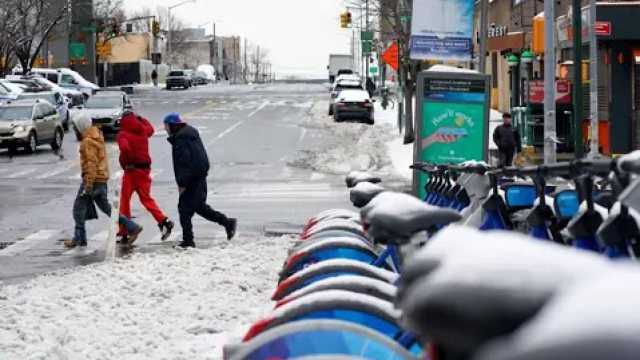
column 356, row 146
column 163, row 305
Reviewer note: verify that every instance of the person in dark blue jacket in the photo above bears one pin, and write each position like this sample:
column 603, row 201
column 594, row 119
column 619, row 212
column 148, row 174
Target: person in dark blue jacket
column 191, row 168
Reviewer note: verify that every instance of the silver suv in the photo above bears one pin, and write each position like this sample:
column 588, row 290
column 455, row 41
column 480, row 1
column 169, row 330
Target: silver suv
column 29, row 124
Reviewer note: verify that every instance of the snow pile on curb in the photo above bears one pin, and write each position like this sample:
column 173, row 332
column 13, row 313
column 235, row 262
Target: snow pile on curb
column 171, row 305
column 356, row 146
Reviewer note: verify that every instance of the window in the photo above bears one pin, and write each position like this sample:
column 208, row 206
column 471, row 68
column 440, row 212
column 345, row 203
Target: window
column 52, row 77
column 39, row 112
column 68, row 79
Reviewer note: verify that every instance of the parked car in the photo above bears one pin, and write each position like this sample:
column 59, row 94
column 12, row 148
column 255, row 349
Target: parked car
column 67, row 78
column 76, row 97
column 339, row 86
column 353, row 104
column 54, row 98
column 29, row 124
column 106, row 107
column 208, row 71
column 178, row 78
column 8, row 92
column 199, row 78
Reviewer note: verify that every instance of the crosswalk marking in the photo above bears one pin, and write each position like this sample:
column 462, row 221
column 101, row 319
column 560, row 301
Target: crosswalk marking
column 156, row 172
column 21, row 173
column 28, row 242
column 52, row 173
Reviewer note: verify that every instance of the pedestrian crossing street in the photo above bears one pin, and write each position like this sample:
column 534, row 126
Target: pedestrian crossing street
column 250, row 202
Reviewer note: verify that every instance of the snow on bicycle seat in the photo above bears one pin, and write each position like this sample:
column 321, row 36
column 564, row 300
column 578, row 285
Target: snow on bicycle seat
column 597, row 319
column 354, row 283
column 473, row 293
column 362, row 193
column 403, row 216
column 356, row 177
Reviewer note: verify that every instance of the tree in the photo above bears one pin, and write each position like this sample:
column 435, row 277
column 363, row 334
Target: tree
column 109, row 16
column 8, row 21
column 36, row 19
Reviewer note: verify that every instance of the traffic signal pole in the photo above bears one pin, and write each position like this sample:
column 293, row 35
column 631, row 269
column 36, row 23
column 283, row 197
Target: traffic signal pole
column 577, row 78
column 366, row 14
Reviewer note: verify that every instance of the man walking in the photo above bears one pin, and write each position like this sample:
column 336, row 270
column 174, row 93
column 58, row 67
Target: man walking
column 507, row 139
column 133, row 141
column 93, row 191
column 191, row 168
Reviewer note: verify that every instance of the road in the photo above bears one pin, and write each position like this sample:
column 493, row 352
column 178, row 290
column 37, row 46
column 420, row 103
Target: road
column 250, row 132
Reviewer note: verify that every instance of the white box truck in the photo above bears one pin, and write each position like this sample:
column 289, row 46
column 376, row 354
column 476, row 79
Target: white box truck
column 338, row 65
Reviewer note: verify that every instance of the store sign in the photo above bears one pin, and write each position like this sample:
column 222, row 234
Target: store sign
column 453, row 118
column 603, row 28
column 497, row 31
column 442, row 30
column 536, row 92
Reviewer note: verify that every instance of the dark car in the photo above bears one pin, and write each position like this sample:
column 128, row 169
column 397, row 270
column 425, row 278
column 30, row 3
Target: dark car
column 106, row 108
column 353, row 104
column 179, row 79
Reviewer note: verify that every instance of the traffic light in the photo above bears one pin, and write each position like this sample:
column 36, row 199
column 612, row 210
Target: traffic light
column 349, row 17
column 155, row 29
column 344, row 20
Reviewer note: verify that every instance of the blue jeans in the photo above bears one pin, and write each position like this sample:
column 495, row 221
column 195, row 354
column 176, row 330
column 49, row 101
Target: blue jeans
column 82, row 206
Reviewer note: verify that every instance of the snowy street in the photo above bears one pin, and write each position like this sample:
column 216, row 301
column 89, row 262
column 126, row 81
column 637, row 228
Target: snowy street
column 277, row 159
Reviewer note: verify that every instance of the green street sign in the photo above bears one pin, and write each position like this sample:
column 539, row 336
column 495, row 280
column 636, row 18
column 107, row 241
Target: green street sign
column 373, row 70
column 366, row 35
column 77, row 51
column 367, row 47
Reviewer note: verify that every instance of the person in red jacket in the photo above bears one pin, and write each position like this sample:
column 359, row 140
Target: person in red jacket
column 133, row 141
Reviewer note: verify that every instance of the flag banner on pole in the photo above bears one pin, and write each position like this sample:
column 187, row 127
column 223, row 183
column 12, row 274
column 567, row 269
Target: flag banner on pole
column 442, row 30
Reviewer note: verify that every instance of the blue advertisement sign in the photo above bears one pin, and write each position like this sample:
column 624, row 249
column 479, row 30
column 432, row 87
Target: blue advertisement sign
column 442, row 30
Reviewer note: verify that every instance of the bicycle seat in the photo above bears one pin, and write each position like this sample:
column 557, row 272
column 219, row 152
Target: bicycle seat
column 403, row 216
column 362, row 193
column 470, row 294
column 356, row 177
column 597, row 319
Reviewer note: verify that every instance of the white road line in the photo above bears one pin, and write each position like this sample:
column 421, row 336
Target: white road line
column 28, row 242
column 264, row 104
column 224, row 133
column 21, row 173
column 303, row 133
column 55, row 172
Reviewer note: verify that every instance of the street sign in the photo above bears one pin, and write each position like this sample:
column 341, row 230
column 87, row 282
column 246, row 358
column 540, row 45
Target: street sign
column 373, row 70
column 452, row 118
column 366, row 35
column 390, row 56
column 104, row 49
column 156, row 58
column 367, row 47
column 603, row 28
column 77, row 51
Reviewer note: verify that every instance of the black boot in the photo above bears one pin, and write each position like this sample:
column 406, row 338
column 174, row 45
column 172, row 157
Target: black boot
column 231, row 227
column 166, row 227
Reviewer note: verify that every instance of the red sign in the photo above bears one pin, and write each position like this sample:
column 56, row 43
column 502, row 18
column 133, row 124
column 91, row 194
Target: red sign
column 603, row 28
column 390, row 56
column 536, row 92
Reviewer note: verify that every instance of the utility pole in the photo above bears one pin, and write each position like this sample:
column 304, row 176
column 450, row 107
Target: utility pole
column 593, row 55
column 577, row 78
column 484, row 24
column 366, row 26
column 215, row 49
column 257, row 63
column 549, row 83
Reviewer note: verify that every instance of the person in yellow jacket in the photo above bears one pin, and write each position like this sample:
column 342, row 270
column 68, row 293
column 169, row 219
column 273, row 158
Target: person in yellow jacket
column 93, row 190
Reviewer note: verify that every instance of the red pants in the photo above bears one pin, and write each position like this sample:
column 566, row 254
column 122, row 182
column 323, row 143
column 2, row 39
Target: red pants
column 139, row 181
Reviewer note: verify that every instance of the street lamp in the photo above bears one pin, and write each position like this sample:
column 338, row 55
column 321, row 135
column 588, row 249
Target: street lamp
column 169, row 37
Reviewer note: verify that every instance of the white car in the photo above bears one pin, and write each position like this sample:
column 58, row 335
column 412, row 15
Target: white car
column 353, row 105
column 8, row 91
column 340, row 85
column 69, row 79
column 75, row 96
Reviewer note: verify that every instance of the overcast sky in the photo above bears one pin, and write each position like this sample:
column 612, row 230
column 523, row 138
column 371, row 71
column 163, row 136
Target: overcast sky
column 299, row 34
